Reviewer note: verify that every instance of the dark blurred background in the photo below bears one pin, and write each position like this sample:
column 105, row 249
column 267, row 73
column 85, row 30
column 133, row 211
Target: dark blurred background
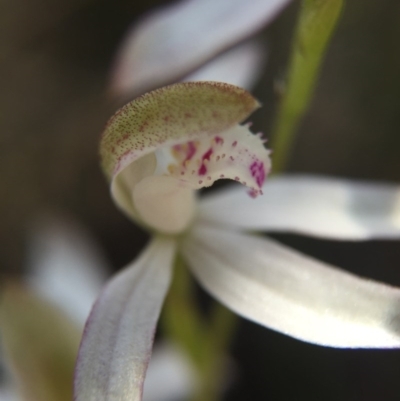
column 55, row 57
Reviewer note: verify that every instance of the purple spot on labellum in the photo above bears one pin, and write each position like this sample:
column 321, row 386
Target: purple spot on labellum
column 205, row 157
column 253, row 193
column 191, row 150
column 202, row 169
column 258, row 172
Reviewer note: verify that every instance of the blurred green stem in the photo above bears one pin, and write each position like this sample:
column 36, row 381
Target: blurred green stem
column 315, row 26
column 181, row 318
column 205, row 343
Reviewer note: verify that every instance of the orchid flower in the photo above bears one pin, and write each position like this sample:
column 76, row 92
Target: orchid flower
column 156, row 152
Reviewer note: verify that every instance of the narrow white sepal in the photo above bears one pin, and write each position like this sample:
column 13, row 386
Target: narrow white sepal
column 322, row 207
column 289, row 292
column 171, row 42
column 118, row 336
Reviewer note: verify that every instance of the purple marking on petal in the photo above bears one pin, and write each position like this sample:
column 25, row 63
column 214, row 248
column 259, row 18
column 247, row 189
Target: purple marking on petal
column 202, row 170
column 258, row 172
column 188, row 150
column 206, row 156
column 191, row 150
column 253, row 193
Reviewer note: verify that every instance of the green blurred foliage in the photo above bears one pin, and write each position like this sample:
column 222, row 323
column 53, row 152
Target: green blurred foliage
column 40, row 344
column 314, row 28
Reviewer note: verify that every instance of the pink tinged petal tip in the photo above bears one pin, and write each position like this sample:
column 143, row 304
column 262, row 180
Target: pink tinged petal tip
column 118, row 336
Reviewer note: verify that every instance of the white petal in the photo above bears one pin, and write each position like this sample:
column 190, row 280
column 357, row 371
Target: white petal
column 322, row 207
column 241, row 66
column 282, row 289
column 65, row 265
column 118, row 336
column 171, row 375
column 173, row 41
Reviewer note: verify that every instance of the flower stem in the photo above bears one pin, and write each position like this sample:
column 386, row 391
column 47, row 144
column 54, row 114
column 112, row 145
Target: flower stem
column 181, row 319
column 205, row 342
column 315, row 26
